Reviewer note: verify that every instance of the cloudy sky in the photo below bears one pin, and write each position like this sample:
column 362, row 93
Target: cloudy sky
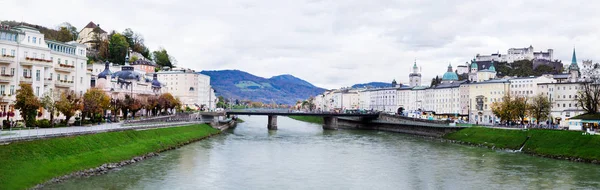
column 333, row 43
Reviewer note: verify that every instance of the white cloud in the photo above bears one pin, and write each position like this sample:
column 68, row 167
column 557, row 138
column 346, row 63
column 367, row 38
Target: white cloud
column 333, row 43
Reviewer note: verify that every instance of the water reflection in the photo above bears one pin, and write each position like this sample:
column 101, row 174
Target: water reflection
column 303, row 156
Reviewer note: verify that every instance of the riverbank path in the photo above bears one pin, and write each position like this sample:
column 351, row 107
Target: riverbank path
column 29, row 134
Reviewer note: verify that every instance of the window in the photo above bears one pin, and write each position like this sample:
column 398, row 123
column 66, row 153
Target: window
column 37, row 91
column 80, row 80
column 58, row 60
column 34, row 40
column 37, row 75
column 72, row 78
column 28, row 38
column 3, row 51
column 3, row 70
column 58, row 77
column 24, row 72
column 12, row 71
column 12, row 89
column 65, row 77
column 12, row 52
column 1, row 89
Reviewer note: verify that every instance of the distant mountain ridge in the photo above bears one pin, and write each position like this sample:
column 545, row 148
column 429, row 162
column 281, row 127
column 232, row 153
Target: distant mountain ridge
column 281, row 89
column 373, row 85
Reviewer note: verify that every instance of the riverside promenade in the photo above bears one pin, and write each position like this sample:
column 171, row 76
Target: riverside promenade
column 39, row 133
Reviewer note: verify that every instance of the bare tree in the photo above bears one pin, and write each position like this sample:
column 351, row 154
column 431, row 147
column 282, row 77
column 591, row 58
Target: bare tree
column 588, row 96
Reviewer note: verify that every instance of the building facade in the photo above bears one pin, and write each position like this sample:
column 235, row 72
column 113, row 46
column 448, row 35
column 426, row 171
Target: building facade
column 50, row 67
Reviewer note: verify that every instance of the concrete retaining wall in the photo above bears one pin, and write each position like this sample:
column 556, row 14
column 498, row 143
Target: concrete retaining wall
column 402, row 119
column 414, row 129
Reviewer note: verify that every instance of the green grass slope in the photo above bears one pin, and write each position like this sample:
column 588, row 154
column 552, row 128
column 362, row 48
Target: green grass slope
column 547, row 143
column 26, row 164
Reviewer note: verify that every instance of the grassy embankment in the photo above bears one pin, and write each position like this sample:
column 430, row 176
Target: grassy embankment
column 310, row 119
column 26, row 164
column 547, row 143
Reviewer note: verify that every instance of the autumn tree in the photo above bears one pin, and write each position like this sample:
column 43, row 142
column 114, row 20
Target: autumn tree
column 540, row 107
column 520, row 107
column 68, row 104
column 118, row 48
column 502, row 109
column 168, row 102
column 152, row 105
column 27, row 104
column 95, row 101
column 49, row 104
column 132, row 105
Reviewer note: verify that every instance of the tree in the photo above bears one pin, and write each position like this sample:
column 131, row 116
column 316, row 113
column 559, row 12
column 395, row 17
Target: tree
column 162, row 58
column 68, row 104
column 503, row 108
column 167, row 101
column 72, row 30
column 95, row 101
column 152, row 105
column 27, row 104
column 588, row 97
column 117, row 49
column 103, row 52
column 49, row 104
column 519, row 108
column 131, row 104
column 540, row 107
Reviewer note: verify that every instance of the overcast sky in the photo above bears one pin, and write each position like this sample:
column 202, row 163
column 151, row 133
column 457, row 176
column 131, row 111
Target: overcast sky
column 333, row 43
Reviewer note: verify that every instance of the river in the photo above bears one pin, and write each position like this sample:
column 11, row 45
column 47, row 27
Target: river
column 302, row 156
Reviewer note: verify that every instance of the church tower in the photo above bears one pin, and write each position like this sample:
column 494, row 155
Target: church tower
column 415, row 76
column 573, row 68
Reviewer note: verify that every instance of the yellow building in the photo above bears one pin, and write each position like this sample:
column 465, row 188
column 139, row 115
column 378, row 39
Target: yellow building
column 481, row 97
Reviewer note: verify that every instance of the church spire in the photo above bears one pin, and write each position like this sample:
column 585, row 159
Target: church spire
column 574, row 58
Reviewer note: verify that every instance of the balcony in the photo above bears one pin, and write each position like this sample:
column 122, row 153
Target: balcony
column 26, row 79
column 64, row 84
column 4, row 78
column 28, row 61
column 7, row 59
column 48, row 81
column 65, row 68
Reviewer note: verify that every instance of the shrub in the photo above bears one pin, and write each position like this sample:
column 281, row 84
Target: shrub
column 44, row 123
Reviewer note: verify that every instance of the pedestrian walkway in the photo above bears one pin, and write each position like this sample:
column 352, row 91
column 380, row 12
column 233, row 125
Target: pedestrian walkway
column 29, row 134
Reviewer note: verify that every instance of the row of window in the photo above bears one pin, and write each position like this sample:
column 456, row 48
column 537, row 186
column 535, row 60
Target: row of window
column 8, row 36
column 63, row 49
column 12, row 52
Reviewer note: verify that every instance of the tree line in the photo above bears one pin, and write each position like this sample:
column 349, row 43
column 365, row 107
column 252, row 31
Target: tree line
column 92, row 105
column 517, row 108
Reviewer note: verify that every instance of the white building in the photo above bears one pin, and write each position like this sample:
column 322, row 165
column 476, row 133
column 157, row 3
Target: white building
column 49, row 66
column 516, row 54
column 192, row 88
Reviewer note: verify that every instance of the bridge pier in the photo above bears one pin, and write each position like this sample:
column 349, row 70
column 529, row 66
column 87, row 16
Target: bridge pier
column 330, row 123
column 272, row 123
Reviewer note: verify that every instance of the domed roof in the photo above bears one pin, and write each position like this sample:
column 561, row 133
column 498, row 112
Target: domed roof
column 474, row 64
column 127, row 73
column 492, row 68
column 450, row 75
column 155, row 82
column 106, row 71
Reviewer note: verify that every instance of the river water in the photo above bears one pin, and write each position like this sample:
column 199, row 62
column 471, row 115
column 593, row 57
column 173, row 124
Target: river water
column 302, row 156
